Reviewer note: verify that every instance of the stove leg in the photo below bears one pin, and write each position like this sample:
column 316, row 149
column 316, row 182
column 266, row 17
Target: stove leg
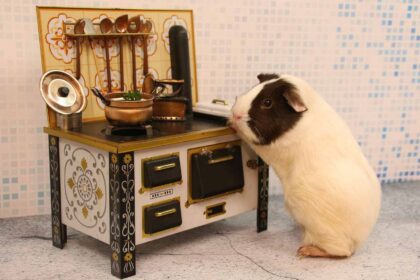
column 262, row 208
column 122, row 211
column 59, row 231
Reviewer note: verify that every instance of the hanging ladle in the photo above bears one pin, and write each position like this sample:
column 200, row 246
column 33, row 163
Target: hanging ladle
column 79, row 28
column 106, row 28
column 146, row 27
column 121, row 24
column 134, row 25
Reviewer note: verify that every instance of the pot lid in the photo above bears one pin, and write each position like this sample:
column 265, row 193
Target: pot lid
column 62, row 92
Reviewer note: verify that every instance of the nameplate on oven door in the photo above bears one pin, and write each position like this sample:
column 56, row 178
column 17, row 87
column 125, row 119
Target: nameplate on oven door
column 160, row 194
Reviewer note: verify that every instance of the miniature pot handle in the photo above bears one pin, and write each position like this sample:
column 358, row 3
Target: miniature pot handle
column 98, row 94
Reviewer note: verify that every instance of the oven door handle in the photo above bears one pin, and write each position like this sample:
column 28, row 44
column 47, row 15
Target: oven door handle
column 165, row 213
column 164, row 166
column 221, row 159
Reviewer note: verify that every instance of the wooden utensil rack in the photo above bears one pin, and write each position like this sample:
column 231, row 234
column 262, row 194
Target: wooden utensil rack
column 98, row 36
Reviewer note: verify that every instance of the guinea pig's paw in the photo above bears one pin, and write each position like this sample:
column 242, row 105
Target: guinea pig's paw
column 311, row 251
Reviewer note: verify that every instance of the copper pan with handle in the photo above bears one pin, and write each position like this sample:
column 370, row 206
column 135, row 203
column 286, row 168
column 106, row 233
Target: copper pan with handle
column 121, row 112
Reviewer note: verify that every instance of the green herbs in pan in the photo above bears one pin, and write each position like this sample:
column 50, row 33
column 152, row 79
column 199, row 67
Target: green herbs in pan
column 132, row 95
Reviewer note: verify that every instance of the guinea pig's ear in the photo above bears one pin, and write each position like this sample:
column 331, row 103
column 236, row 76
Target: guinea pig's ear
column 266, row 77
column 295, row 101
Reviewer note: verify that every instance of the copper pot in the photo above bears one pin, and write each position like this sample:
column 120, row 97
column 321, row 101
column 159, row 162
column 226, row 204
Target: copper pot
column 120, row 112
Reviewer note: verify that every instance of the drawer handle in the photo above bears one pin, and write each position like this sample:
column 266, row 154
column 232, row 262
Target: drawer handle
column 165, row 213
column 215, row 210
column 164, row 166
column 221, row 159
column 219, row 101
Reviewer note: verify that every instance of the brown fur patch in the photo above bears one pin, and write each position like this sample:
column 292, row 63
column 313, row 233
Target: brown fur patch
column 269, row 123
column 266, row 77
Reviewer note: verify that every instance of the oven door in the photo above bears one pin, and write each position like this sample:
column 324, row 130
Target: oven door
column 216, row 170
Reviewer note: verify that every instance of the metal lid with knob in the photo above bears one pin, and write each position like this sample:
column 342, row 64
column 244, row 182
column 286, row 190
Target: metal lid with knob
column 62, row 92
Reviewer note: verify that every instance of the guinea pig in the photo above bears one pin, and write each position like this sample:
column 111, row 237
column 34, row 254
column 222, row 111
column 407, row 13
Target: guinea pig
column 329, row 187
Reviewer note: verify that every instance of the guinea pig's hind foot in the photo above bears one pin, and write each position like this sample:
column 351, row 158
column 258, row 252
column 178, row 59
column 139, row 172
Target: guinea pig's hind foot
column 314, row 252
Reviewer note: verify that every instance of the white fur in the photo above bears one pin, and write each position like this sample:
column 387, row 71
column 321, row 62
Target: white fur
column 329, row 187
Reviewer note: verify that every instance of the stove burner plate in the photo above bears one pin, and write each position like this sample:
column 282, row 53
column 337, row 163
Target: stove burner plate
column 129, row 131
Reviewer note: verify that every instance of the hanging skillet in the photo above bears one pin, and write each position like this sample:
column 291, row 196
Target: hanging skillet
column 62, row 92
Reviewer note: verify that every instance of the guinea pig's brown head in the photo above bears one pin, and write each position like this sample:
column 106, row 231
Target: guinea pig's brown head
column 269, row 110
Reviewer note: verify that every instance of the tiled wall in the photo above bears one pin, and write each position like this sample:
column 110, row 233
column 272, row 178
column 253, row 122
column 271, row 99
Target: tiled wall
column 362, row 56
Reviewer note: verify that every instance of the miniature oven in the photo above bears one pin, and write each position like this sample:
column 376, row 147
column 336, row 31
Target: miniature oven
column 128, row 190
column 129, row 185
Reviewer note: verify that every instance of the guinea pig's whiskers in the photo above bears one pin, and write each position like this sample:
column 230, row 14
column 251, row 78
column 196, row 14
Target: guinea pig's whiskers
column 253, row 125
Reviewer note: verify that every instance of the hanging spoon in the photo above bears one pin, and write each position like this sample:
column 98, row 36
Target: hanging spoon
column 146, row 27
column 106, row 28
column 121, row 24
column 134, row 25
column 79, row 28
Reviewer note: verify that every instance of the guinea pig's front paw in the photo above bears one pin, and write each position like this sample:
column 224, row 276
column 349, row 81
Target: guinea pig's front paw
column 311, row 251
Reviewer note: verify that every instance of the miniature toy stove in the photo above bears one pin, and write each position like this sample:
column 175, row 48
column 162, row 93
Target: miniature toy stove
column 128, row 187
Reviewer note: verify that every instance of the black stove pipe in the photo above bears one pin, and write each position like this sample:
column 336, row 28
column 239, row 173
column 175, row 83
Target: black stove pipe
column 180, row 61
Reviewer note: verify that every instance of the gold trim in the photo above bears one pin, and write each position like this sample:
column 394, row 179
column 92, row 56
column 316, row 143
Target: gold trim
column 84, row 139
column 173, row 139
column 51, row 117
column 112, row 9
column 93, row 119
column 138, row 145
column 190, row 200
column 147, row 235
column 143, row 189
column 195, row 97
column 165, row 213
column 209, row 210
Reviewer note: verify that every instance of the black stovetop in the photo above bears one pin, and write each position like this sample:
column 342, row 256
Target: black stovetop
column 197, row 123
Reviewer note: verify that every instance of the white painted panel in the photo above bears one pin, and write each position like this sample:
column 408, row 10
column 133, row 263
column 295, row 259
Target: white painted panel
column 84, row 178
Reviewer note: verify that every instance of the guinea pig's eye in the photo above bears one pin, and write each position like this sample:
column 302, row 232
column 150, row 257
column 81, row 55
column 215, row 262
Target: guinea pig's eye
column 267, row 103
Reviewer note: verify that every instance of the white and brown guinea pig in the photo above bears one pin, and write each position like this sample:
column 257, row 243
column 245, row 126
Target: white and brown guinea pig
column 329, row 187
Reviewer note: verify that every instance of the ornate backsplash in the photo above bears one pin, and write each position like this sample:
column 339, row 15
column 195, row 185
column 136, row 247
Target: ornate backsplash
column 58, row 51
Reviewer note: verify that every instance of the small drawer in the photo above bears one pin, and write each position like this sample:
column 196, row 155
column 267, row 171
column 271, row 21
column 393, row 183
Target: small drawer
column 161, row 171
column 162, row 216
column 215, row 210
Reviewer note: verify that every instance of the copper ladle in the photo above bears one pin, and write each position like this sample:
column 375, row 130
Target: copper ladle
column 146, row 27
column 79, row 28
column 106, row 28
column 134, row 25
column 121, row 24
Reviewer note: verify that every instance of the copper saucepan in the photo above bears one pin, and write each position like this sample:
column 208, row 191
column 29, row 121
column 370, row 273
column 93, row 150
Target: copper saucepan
column 120, row 112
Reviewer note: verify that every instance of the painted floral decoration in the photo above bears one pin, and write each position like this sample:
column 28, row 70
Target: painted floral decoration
column 128, row 257
column 151, row 41
column 168, row 23
column 127, row 159
column 84, row 187
column 60, row 47
column 98, row 45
